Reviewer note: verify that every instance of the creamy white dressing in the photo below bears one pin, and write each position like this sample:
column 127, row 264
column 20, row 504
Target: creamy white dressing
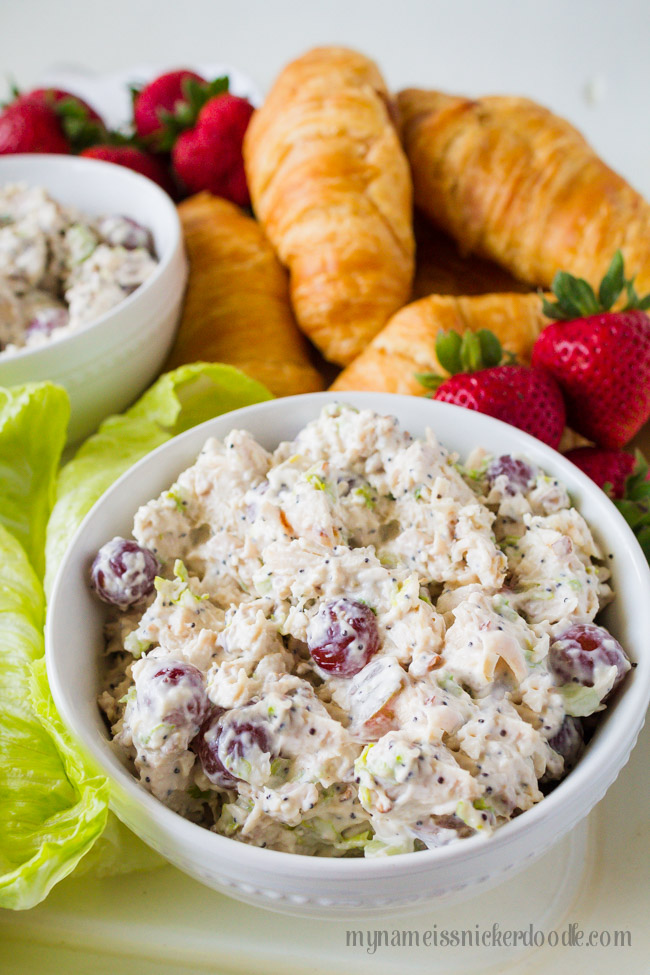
column 60, row 269
column 444, row 733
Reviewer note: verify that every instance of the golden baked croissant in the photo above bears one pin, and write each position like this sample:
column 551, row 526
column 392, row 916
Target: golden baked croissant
column 407, row 345
column 441, row 269
column 331, row 186
column 512, row 182
column 237, row 307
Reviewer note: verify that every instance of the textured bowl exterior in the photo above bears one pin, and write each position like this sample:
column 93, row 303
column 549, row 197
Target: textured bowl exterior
column 105, row 365
column 328, row 887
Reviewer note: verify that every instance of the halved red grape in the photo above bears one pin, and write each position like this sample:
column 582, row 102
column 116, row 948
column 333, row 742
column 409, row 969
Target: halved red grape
column 219, row 739
column 519, row 474
column 240, row 739
column 575, row 654
column 206, row 747
column 181, row 696
column 343, row 636
column 568, row 742
column 123, row 572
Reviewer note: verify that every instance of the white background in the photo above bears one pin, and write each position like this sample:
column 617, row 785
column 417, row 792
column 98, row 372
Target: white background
column 587, row 59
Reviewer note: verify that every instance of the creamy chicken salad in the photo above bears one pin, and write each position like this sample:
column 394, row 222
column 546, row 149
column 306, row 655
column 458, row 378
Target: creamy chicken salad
column 60, row 269
column 355, row 644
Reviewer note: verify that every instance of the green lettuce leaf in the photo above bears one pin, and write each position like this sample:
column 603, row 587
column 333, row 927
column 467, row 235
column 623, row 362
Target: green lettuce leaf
column 177, row 401
column 54, row 805
column 33, row 423
column 192, row 394
column 118, row 851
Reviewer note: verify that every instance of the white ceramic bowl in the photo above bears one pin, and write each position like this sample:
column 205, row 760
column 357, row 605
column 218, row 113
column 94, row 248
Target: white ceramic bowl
column 356, row 887
column 105, row 365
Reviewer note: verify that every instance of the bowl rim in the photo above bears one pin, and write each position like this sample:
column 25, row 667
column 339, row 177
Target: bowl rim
column 623, row 725
column 142, row 292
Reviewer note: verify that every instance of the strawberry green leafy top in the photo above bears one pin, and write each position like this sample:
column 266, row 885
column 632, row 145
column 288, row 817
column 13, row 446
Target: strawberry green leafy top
column 577, row 299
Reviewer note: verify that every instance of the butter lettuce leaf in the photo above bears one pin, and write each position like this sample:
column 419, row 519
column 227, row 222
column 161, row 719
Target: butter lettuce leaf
column 192, row 394
column 33, row 424
column 53, row 805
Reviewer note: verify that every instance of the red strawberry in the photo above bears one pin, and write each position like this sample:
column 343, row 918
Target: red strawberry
column 164, row 94
column 600, row 358
column 209, row 156
column 76, row 124
column 526, row 398
column 55, row 96
column 627, row 480
column 31, row 127
column 604, row 466
column 136, row 159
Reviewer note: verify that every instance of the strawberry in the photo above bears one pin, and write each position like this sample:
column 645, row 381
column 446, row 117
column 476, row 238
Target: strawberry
column 635, row 503
column 164, row 95
column 53, row 97
column 76, row 124
column 203, row 127
column 209, row 155
column 525, row 397
column 528, row 398
column 133, row 158
column 31, row 127
column 626, row 479
column 600, row 357
column 608, row 468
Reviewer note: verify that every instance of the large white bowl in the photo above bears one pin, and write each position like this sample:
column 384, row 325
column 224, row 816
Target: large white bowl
column 355, row 887
column 105, row 365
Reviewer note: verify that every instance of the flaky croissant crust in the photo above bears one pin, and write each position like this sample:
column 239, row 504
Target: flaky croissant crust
column 407, row 345
column 237, row 307
column 331, row 186
column 513, row 182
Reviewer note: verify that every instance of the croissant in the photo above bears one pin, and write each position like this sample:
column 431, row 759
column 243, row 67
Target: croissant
column 514, row 183
column 407, row 345
column 441, row 269
column 331, row 186
column 237, row 307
